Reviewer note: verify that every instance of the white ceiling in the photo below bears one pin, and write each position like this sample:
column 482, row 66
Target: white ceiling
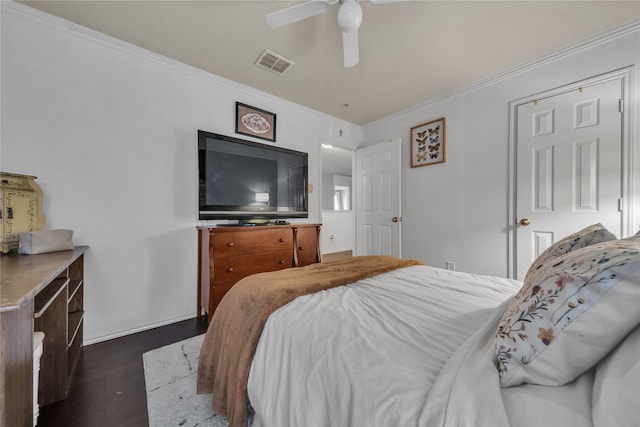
column 409, row 51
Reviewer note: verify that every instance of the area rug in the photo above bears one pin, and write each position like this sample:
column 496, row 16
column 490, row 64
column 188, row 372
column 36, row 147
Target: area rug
column 170, row 376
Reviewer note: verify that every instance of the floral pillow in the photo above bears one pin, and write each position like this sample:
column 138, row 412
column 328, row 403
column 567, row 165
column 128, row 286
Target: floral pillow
column 570, row 314
column 593, row 234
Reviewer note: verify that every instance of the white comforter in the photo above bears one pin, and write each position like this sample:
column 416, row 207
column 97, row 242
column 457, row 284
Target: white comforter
column 367, row 354
column 467, row 392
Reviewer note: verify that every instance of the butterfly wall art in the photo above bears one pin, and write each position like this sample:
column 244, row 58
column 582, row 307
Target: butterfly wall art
column 428, row 143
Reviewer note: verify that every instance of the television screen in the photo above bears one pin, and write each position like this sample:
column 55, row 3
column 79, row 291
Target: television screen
column 240, row 179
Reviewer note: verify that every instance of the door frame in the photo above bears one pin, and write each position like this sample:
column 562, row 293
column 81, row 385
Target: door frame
column 629, row 164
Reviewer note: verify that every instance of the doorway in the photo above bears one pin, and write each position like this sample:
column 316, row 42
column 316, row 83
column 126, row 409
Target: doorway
column 570, row 165
column 336, row 201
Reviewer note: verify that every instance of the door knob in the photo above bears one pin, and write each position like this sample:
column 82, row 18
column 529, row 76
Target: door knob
column 394, row 219
column 525, row 221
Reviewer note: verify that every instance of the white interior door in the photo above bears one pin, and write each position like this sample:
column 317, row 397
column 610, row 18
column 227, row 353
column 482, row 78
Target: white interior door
column 378, row 199
column 568, row 167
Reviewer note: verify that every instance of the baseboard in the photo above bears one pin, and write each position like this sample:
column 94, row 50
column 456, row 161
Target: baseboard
column 136, row 330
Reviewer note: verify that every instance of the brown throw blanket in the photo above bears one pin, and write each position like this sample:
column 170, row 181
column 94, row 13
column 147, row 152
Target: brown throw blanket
column 232, row 337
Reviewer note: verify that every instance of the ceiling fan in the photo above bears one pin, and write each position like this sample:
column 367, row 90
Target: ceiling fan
column 349, row 20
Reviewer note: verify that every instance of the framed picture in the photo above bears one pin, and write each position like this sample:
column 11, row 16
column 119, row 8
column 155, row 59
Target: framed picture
column 255, row 122
column 428, row 143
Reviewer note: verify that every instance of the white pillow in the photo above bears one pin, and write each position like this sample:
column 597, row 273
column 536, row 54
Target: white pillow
column 616, row 388
column 593, row 234
column 573, row 312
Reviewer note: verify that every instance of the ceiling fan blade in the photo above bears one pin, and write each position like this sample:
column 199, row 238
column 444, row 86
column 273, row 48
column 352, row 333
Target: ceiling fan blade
column 386, row 1
column 296, row 13
column 350, row 48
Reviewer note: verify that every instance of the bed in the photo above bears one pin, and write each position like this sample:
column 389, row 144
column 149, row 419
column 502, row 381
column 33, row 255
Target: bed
column 379, row 341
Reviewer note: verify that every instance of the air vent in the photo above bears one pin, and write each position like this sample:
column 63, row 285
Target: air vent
column 274, row 62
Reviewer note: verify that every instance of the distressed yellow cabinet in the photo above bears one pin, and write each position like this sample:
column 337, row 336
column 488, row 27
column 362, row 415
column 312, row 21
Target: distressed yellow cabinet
column 20, row 208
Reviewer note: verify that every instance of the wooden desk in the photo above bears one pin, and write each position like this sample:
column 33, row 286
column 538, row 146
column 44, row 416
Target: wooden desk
column 44, row 293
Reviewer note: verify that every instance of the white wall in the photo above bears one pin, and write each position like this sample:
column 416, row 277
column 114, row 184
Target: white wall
column 326, row 200
column 337, row 231
column 457, row 211
column 110, row 131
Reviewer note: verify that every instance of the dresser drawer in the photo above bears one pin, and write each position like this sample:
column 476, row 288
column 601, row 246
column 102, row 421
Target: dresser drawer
column 232, row 269
column 306, row 246
column 227, row 244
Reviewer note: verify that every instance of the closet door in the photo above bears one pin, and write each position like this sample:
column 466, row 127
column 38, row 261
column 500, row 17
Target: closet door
column 569, row 167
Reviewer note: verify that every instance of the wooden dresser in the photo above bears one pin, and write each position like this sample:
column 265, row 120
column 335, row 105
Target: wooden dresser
column 227, row 254
column 45, row 293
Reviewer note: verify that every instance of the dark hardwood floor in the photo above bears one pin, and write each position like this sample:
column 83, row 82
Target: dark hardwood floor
column 108, row 387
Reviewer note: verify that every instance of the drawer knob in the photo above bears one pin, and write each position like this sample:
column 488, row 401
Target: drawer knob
column 281, row 240
column 281, row 261
column 300, row 248
column 230, row 244
column 230, row 270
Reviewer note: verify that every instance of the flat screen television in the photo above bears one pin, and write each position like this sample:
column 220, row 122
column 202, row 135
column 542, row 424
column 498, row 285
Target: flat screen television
column 247, row 181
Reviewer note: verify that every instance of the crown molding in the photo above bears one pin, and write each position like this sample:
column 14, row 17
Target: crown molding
column 532, row 64
column 37, row 16
column 76, row 30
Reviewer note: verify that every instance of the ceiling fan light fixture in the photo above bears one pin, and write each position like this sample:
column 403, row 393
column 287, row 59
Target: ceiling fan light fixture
column 349, row 16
